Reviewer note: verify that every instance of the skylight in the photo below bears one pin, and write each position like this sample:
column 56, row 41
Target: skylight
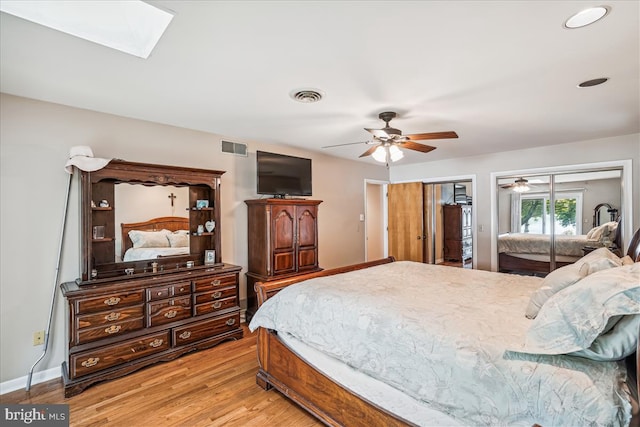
column 131, row 26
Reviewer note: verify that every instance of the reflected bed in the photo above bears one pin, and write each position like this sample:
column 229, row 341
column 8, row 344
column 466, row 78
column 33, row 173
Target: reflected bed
column 157, row 237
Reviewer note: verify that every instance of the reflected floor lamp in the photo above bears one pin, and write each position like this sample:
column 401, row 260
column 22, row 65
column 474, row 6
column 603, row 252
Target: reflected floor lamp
column 82, row 158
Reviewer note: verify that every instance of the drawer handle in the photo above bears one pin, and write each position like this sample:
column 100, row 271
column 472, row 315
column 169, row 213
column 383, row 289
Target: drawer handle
column 171, row 314
column 231, row 321
column 216, row 304
column 113, row 329
column 156, row 343
column 181, row 289
column 112, row 316
column 159, row 293
column 216, row 294
column 215, row 282
column 112, row 301
column 92, row 361
column 185, row 335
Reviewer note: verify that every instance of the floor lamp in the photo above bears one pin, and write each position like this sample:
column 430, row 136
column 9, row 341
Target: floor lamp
column 82, row 158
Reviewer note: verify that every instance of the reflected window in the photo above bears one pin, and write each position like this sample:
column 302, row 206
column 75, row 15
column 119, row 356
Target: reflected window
column 534, row 216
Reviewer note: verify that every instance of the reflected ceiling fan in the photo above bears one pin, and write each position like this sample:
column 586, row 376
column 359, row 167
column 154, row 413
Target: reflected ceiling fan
column 520, row 185
column 388, row 141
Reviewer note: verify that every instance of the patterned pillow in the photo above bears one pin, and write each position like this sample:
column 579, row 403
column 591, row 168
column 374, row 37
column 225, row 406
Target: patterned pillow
column 576, row 317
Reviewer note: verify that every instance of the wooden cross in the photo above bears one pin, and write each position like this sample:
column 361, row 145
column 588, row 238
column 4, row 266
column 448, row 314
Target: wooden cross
column 172, row 196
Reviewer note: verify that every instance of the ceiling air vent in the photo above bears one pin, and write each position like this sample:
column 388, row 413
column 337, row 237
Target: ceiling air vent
column 234, row 148
column 306, row 95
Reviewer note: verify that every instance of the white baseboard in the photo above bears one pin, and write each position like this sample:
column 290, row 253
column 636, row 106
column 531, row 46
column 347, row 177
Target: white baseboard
column 38, row 377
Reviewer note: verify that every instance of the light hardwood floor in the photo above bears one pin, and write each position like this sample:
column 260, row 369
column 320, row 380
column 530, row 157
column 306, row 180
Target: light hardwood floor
column 214, row 387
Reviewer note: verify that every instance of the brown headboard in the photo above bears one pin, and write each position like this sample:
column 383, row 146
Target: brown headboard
column 634, row 246
column 171, row 223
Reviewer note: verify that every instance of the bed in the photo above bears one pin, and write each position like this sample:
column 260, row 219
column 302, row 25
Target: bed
column 529, row 253
column 473, row 366
column 157, row 237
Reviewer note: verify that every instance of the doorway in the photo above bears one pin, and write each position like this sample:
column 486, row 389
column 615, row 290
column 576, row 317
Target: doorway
column 431, row 222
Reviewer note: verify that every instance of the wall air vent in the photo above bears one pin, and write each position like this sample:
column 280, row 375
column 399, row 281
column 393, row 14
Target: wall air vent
column 234, row 148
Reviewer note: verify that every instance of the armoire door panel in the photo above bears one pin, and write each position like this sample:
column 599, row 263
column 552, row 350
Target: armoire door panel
column 283, row 262
column 307, row 259
column 307, row 228
column 283, row 228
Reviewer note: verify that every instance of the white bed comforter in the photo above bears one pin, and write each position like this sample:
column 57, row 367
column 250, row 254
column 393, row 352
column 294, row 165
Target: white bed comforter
column 439, row 334
column 525, row 243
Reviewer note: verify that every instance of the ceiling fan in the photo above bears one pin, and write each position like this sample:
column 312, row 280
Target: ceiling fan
column 388, row 140
column 520, row 185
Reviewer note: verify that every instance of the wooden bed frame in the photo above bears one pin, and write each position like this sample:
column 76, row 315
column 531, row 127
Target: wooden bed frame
column 171, row 223
column 283, row 369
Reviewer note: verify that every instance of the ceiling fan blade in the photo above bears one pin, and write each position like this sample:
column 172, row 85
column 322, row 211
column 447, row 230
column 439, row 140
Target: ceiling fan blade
column 369, row 151
column 432, row 135
column 378, row 133
column 348, row 143
column 417, row 147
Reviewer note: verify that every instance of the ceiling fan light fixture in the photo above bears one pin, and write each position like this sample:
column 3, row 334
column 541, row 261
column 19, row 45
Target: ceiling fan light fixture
column 395, row 153
column 521, row 186
column 586, row 17
column 380, row 154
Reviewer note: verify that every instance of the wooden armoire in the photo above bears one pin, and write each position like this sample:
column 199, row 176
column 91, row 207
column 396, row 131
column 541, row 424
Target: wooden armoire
column 283, row 241
column 458, row 244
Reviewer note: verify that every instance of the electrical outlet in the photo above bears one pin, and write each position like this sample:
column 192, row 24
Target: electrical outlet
column 38, row 338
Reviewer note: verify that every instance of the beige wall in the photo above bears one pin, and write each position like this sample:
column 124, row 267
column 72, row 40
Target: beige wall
column 35, row 138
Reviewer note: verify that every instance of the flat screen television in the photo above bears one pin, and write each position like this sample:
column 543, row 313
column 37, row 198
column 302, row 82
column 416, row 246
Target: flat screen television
column 281, row 175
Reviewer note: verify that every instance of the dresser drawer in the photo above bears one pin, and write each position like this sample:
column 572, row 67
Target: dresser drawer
column 117, row 328
column 106, row 302
column 214, row 282
column 214, row 295
column 168, row 310
column 170, row 290
column 205, row 329
column 95, row 360
column 211, row 306
column 109, row 317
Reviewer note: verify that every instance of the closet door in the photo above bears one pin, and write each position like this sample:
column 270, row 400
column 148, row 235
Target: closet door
column 406, row 223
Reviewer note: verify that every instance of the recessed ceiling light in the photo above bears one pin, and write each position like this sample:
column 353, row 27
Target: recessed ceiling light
column 306, row 95
column 593, row 82
column 586, row 17
column 133, row 27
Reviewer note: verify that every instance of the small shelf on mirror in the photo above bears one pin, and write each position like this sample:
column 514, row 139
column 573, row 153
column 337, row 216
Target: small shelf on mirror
column 104, row 239
column 202, row 234
column 201, row 209
column 98, row 208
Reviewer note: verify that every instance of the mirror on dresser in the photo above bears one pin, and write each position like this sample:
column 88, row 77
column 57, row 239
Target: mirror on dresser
column 141, row 218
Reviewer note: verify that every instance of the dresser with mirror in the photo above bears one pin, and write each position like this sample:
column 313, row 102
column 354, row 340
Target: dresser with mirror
column 153, row 285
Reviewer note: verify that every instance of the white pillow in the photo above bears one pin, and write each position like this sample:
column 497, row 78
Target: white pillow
column 554, row 282
column 178, row 240
column 627, row 260
column 602, row 231
column 616, row 344
column 149, row 239
column 575, row 317
column 563, row 277
column 590, row 267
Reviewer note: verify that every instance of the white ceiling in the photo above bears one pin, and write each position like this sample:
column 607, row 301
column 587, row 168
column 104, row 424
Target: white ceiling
column 502, row 74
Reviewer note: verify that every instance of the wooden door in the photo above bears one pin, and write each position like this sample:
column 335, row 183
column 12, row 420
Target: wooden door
column 406, row 230
column 307, row 237
column 283, row 238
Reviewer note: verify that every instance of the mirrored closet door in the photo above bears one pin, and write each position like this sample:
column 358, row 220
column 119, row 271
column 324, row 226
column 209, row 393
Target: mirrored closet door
column 546, row 221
